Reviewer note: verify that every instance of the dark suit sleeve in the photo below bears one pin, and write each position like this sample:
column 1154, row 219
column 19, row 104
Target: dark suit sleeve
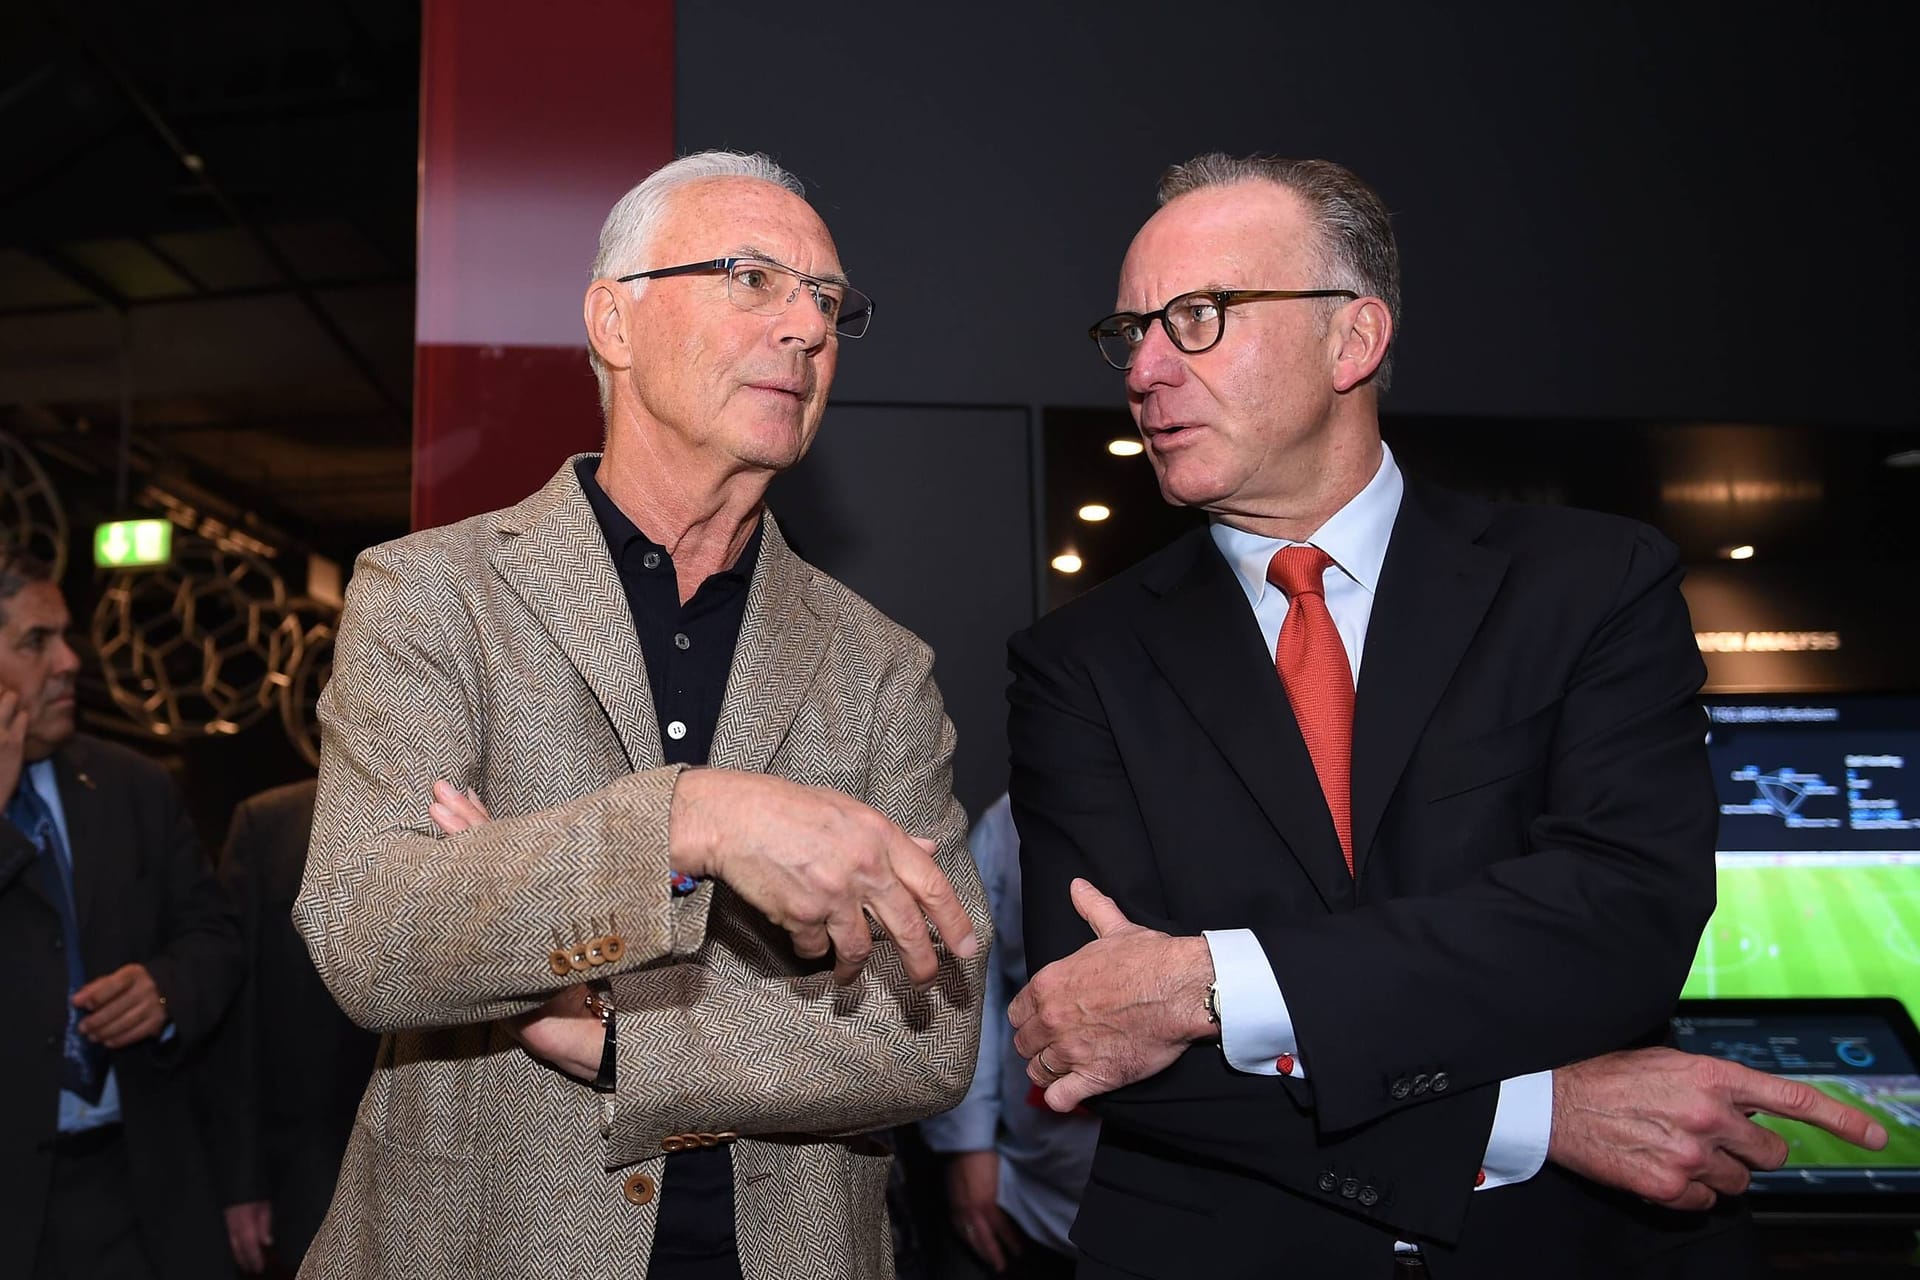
column 201, row 958
column 1077, row 816
column 230, row 1075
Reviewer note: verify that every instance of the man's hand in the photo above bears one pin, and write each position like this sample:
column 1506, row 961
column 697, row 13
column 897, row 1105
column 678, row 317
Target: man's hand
column 123, row 1008
column 1118, row 1010
column 249, row 1234
column 563, row 1032
column 13, row 742
column 973, row 1202
column 817, row 863
column 1674, row 1128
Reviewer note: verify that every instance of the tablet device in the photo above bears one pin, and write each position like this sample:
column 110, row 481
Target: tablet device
column 1865, row 1052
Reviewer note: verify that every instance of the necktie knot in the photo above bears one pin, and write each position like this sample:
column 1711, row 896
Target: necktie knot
column 1297, row 571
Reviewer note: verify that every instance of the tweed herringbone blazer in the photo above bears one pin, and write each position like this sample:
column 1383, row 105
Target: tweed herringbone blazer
column 499, row 653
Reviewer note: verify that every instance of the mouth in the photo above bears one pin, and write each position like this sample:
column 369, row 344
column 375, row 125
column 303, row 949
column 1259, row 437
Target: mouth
column 1169, row 435
column 799, row 392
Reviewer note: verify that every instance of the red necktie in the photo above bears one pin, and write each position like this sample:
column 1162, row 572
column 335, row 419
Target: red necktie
column 1313, row 669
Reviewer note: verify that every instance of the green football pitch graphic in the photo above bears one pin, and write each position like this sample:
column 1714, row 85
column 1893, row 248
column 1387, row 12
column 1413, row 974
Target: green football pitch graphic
column 1812, row 932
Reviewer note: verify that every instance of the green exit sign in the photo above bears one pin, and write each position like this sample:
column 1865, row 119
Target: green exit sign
column 132, row 544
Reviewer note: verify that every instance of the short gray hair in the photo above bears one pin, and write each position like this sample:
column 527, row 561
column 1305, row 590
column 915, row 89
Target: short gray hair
column 627, row 234
column 1356, row 250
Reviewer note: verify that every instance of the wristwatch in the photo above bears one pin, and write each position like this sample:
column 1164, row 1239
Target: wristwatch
column 1213, row 1003
column 602, row 1008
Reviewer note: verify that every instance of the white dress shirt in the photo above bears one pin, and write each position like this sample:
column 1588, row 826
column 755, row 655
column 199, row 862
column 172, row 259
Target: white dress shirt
column 1255, row 1026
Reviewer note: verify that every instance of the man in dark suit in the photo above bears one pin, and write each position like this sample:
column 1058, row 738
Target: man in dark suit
column 121, row 954
column 292, row 1066
column 1400, row 798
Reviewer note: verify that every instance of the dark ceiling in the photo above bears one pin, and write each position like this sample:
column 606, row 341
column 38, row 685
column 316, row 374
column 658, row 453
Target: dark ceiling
column 207, row 244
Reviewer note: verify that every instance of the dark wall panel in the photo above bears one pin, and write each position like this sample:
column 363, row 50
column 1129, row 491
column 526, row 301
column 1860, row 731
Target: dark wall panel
column 910, row 507
column 1606, row 211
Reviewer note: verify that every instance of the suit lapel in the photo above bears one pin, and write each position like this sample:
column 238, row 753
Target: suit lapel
column 554, row 555
column 1435, row 588
column 783, row 641
column 90, row 842
column 1203, row 637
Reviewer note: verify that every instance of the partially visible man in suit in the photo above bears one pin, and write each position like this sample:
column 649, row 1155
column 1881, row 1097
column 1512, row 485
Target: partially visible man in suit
column 287, row 1065
column 638, row 1021
column 1400, row 797
column 121, row 955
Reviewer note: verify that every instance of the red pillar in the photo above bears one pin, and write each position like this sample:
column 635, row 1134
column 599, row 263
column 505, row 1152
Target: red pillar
column 534, row 119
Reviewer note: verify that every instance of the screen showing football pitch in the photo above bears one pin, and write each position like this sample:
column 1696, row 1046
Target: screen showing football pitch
column 1819, row 849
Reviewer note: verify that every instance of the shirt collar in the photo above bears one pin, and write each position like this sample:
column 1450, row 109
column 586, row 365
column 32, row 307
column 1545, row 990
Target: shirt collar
column 1355, row 536
column 621, row 532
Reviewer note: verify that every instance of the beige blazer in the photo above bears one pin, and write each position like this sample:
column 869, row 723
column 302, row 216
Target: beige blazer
column 499, row 653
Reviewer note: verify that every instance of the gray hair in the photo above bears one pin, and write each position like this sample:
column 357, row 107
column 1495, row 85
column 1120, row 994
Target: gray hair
column 18, row 571
column 627, row 234
column 1356, row 249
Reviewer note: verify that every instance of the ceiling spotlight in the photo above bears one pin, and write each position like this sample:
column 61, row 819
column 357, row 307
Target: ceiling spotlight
column 1125, row 447
column 1742, row 552
column 1068, row 563
column 1905, row 458
column 1095, row 512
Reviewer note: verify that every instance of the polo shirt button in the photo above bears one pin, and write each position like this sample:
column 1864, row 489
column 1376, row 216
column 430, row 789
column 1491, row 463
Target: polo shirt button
column 676, row 730
column 639, row 1189
column 651, row 560
column 680, row 640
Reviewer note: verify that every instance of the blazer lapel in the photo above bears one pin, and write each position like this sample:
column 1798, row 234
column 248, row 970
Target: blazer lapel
column 554, row 555
column 783, row 641
column 1435, row 587
column 1203, row 637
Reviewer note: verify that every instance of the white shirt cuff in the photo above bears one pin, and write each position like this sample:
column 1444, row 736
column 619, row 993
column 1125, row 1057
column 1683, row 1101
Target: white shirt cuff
column 1522, row 1128
column 1256, row 1031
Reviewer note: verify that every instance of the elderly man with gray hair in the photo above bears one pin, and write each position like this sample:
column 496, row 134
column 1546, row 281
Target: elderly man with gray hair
column 635, row 833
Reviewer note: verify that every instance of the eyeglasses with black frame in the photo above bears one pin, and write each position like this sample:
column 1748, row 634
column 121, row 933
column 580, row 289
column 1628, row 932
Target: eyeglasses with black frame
column 768, row 288
column 1194, row 321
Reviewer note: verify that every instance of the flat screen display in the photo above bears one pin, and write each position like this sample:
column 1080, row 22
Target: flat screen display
column 1866, row 1053
column 1819, row 848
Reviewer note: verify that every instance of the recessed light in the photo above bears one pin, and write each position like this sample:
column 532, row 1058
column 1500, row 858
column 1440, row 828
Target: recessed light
column 1068, row 563
column 1904, row 458
column 1095, row 512
column 1742, row 552
column 1125, row 448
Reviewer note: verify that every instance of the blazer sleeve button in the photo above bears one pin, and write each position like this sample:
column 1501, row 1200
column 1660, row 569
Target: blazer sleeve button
column 1440, row 1082
column 639, row 1189
column 1422, row 1082
column 1368, row 1197
column 612, row 948
column 559, row 963
column 1401, row 1088
column 1328, row 1182
column 1350, row 1188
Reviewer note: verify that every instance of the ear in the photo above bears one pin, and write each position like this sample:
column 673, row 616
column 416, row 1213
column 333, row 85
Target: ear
column 608, row 310
column 1363, row 329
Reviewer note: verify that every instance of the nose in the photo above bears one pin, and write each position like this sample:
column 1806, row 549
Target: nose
column 803, row 322
column 1156, row 361
column 65, row 661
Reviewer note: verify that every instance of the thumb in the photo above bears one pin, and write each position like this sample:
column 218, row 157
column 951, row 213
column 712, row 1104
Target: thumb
column 1097, row 909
